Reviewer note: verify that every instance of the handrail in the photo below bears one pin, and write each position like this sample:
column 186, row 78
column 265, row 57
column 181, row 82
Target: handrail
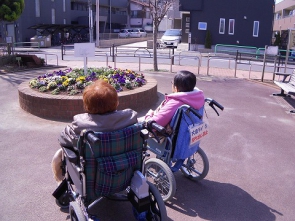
column 185, row 57
column 233, row 46
column 45, row 55
column 143, row 48
column 217, row 58
column 139, row 61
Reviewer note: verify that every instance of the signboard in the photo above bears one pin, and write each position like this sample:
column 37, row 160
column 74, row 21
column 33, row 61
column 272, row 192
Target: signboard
column 272, row 50
column 198, row 132
column 84, row 49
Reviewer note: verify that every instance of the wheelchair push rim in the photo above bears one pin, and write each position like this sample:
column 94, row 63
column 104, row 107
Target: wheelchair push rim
column 196, row 167
column 159, row 174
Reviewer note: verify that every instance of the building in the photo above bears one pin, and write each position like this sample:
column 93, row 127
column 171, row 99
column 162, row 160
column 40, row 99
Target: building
column 230, row 22
column 284, row 19
column 69, row 19
column 57, row 17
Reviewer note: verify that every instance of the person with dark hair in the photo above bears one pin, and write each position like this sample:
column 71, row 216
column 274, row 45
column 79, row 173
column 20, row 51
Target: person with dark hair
column 100, row 101
column 184, row 92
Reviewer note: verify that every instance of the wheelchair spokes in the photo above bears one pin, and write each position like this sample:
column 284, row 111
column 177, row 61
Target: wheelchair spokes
column 196, row 167
column 158, row 173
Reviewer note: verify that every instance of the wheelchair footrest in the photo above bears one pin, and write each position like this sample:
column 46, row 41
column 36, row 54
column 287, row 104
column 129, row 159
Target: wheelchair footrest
column 140, row 205
column 61, row 189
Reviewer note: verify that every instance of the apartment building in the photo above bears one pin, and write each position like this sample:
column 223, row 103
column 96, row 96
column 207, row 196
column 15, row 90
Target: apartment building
column 284, row 16
column 284, row 19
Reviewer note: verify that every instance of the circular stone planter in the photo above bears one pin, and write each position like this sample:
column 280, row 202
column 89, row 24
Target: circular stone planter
column 63, row 107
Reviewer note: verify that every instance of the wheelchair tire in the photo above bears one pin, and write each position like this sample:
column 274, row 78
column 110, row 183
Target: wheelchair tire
column 196, row 166
column 64, row 201
column 157, row 210
column 76, row 213
column 158, row 173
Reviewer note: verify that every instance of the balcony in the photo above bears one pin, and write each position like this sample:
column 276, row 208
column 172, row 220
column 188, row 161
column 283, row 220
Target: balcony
column 284, row 23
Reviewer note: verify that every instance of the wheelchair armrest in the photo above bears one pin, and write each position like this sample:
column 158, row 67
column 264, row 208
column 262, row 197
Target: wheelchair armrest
column 71, row 155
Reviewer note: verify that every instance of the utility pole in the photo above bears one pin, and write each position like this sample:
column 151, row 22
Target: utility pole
column 90, row 21
column 97, row 23
column 110, row 16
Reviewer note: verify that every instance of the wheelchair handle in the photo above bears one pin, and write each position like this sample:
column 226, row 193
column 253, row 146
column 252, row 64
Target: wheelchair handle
column 153, row 125
column 91, row 138
column 212, row 103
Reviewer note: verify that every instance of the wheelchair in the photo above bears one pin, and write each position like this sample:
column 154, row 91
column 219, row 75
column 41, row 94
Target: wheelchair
column 178, row 149
column 108, row 165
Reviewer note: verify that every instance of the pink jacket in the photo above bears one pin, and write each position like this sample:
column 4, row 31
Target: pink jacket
column 164, row 113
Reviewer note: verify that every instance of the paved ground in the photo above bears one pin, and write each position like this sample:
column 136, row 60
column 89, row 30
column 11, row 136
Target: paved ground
column 250, row 150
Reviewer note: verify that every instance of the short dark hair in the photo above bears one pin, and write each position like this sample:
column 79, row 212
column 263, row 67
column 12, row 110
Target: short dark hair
column 100, row 98
column 185, row 81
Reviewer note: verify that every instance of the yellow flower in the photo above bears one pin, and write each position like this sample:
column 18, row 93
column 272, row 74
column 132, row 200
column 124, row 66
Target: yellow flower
column 81, row 78
column 65, row 83
column 64, row 78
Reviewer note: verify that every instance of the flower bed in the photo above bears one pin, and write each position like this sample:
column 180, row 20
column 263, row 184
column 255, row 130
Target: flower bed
column 135, row 92
column 73, row 81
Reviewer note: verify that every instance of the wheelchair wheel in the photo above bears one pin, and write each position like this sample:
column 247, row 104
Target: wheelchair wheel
column 76, row 213
column 63, row 201
column 196, row 167
column 157, row 211
column 158, row 173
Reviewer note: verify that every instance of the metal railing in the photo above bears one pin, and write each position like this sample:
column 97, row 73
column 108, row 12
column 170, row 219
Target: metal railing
column 248, row 56
column 185, row 57
column 44, row 55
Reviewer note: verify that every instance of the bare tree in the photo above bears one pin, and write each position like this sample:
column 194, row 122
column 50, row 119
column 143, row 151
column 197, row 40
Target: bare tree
column 158, row 9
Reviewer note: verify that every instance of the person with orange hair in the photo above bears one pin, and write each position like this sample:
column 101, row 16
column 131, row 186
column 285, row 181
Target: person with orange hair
column 100, row 101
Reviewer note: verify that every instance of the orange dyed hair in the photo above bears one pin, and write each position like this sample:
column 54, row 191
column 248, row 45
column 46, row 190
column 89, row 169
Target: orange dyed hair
column 100, row 98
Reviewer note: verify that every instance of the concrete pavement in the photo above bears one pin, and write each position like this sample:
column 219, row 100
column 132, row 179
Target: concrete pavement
column 250, row 151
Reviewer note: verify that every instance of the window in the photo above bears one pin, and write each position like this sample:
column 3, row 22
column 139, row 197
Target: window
column 53, row 16
column 255, row 28
column 37, row 6
column 137, row 14
column 202, row 26
column 231, row 26
column 148, row 14
column 64, row 5
column 222, row 26
column 79, row 6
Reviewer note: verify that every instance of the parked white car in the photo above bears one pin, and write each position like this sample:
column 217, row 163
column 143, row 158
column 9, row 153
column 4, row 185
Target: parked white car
column 124, row 33
column 137, row 33
column 171, row 37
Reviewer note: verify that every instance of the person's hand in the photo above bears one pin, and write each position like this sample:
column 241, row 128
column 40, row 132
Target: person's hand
column 149, row 114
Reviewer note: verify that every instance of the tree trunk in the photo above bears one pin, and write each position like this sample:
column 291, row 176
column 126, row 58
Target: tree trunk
column 155, row 58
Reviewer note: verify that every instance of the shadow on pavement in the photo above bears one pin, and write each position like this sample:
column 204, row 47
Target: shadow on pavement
column 212, row 200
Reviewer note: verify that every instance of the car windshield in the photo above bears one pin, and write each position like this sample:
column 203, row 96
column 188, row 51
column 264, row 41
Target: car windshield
column 172, row 33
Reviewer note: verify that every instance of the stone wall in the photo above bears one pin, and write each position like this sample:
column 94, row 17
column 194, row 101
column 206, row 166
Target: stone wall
column 63, row 107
